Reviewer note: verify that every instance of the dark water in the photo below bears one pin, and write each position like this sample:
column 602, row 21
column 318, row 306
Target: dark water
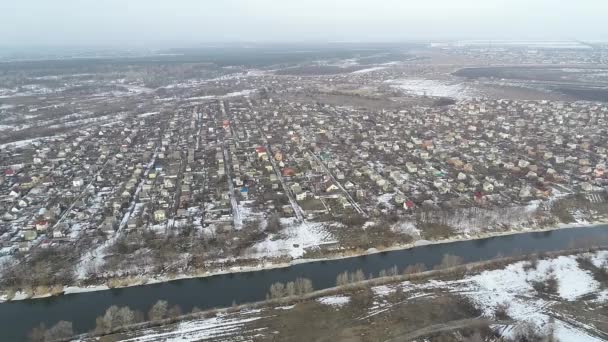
column 17, row 318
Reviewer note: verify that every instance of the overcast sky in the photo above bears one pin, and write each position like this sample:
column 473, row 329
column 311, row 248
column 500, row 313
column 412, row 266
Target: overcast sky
column 182, row 22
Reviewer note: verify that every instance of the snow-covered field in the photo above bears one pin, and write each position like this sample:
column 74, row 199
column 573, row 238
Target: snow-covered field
column 439, row 88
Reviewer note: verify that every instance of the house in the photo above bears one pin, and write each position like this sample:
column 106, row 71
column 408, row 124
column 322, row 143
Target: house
column 525, row 192
column 261, row 151
column 22, row 203
column 78, row 182
column 331, row 187
column 133, row 223
column 349, row 185
column 288, row 172
column 407, row 205
column 488, row 187
column 42, row 225
column 302, row 195
column 57, row 234
column 244, row 192
column 29, row 235
column 296, row 188
column 344, row 202
column 411, row 167
column 586, row 186
column 159, row 215
column 108, row 224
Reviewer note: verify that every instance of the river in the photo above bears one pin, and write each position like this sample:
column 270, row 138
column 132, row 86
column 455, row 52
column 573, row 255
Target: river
column 18, row 317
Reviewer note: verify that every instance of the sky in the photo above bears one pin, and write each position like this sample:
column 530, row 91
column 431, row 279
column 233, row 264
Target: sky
column 185, row 22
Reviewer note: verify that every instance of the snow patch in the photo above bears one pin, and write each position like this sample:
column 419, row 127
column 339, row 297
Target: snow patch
column 293, row 240
column 337, row 301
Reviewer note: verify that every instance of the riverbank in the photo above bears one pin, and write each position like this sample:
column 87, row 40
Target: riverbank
column 269, row 265
column 383, row 287
column 205, row 293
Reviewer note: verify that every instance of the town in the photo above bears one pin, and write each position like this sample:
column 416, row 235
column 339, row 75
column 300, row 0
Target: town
column 127, row 179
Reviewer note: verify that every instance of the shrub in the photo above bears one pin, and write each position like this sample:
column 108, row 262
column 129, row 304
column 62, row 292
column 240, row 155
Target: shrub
column 363, row 298
column 547, row 286
column 501, row 311
column 531, row 264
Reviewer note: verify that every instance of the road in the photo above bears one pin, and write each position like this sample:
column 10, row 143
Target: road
column 294, row 204
column 135, row 197
column 348, row 196
column 236, row 214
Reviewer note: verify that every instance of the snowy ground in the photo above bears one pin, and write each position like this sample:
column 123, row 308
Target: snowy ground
column 439, row 88
column 209, row 329
column 513, row 286
column 338, row 301
column 364, row 71
column 293, row 240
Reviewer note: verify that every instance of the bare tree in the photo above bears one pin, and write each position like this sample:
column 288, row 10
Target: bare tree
column 357, row 276
column 116, row 317
column 342, row 279
column 125, row 316
column 290, row 289
column 59, row 331
column 303, row 286
column 158, row 311
column 37, row 333
column 416, row 268
column 277, row 290
column 274, row 224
